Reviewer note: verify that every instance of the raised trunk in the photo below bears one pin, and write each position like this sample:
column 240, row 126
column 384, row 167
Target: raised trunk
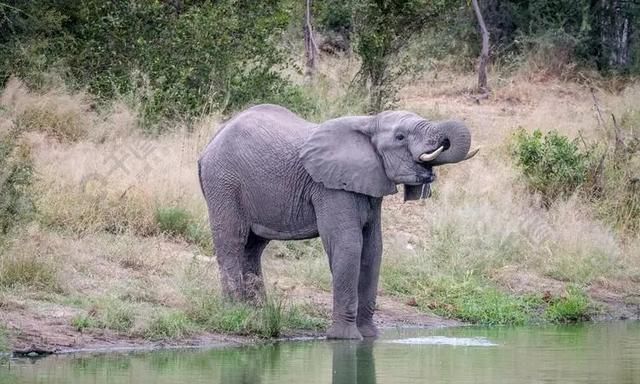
column 484, row 53
column 310, row 47
column 459, row 142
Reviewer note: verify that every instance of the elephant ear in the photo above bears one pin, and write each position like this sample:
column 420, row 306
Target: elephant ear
column 339, row 154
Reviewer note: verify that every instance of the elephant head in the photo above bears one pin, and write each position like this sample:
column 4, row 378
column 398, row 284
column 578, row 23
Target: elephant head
column 372, row 154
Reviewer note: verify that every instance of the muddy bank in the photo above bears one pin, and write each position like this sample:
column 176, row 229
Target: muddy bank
column 50, row 331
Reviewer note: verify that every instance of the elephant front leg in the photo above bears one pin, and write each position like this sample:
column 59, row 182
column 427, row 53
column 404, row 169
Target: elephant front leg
column 369, row 274
column 339, row 217
column 344, row 258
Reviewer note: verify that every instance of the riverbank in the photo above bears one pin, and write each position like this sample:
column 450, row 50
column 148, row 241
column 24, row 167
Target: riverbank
column 112, row 248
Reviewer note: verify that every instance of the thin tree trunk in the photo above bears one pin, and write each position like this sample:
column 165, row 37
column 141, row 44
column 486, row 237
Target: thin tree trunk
column 310, row 47
column 484, row 53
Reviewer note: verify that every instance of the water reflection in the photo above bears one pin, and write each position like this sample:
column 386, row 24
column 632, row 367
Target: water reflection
column 591, row 353
column 353, row 362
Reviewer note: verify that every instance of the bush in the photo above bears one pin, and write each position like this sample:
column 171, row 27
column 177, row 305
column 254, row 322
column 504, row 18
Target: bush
column 16, row 172
column 552, row 165
column 180, row 60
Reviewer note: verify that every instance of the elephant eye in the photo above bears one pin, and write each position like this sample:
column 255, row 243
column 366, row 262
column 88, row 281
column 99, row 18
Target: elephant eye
column 399, row 136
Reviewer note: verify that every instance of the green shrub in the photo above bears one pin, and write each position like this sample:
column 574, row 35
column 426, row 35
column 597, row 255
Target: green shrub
column 179, row 61
column 572, row 307
column 16, row 172
column 552, row 165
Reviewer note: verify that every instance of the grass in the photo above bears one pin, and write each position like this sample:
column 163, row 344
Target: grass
column 4, row 342
column 180, row 223
column 29, row 270
column 477, row 303
column 170, row 324
column 572, row 307
column 270, row 319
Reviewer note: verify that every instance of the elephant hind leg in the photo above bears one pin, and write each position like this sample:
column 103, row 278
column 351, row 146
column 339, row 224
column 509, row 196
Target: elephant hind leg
column 252, row 268
column 230, row 235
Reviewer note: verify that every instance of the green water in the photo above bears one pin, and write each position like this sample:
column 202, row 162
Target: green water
column 590, row 353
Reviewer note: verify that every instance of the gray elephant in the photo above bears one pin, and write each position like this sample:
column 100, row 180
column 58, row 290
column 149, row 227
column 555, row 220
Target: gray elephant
column 270, row 175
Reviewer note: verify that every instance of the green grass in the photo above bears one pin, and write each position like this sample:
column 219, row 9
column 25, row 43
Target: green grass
column 108, row 313
column 574, row 306
column 476, row 302
column 270, row 319
column 83, row 322
column 179, row 223
column 169, row 325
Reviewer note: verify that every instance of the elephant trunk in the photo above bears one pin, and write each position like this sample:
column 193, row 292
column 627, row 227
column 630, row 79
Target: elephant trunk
column 455, row 143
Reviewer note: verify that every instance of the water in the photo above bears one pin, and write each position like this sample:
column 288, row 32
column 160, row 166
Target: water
column 590, row 353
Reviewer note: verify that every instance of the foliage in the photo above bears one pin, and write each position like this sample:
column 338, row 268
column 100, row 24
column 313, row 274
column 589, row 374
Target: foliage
column 572, row 307
column 383, row 29
column 220, row 55
column 16, row 172
column 553, row 165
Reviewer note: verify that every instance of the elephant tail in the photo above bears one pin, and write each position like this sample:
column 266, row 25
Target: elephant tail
column 200, row 176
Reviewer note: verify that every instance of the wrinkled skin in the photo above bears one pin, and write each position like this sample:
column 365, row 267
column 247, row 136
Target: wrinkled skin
column 270, row 175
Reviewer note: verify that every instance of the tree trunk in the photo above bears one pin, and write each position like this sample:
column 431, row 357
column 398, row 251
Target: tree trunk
column 310, row 47
column 484, row 53
column 616, row 22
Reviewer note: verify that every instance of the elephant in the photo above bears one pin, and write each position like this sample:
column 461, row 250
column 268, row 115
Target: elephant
column 269, row 175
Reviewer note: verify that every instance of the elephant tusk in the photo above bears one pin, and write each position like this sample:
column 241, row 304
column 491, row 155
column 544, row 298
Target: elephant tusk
column 471, row 154
column 431, row 156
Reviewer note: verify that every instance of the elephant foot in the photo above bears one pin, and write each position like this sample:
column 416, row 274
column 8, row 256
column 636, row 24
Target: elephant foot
column 368, row 330
column 344, row 331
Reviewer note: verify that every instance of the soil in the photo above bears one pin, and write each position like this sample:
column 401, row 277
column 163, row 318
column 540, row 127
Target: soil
column 49, row 330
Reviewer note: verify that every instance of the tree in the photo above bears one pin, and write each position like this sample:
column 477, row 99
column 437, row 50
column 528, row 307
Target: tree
column 310, row 46
column 383, row 28
column 484, row 53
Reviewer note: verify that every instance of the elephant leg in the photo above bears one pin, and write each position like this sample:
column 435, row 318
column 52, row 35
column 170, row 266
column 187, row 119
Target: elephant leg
column 340, row 228
column 252, row 268
column 230, row 234
column 369, row 273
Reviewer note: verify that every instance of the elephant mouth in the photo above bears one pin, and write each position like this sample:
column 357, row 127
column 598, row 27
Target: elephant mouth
column 417, row 179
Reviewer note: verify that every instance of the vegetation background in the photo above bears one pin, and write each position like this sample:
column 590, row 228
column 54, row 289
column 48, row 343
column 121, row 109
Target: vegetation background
column 106, row 105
